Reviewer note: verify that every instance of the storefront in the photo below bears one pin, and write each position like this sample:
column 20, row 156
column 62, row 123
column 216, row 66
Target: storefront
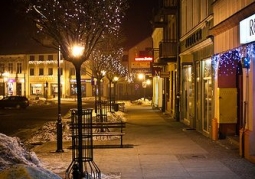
column 233, row 71
column 86, row 87
column 196, row 83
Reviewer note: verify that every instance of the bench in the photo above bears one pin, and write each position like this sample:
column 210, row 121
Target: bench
column 106, row 129
column 109, row 129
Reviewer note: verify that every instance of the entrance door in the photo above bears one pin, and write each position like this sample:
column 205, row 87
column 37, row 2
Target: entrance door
column 187, row 95
column 206, row 95
column 207, row 103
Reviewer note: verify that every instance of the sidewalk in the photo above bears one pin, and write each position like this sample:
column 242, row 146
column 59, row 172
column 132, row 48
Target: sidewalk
column 162, row 149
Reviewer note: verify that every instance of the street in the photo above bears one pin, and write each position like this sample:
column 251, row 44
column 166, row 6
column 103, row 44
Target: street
column 22, row 123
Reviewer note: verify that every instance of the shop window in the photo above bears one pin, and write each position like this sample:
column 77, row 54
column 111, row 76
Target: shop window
column 36, row 89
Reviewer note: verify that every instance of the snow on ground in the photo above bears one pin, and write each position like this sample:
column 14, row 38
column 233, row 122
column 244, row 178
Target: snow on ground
column 18, row 162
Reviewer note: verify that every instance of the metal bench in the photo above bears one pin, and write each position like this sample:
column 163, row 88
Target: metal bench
column 105, row 129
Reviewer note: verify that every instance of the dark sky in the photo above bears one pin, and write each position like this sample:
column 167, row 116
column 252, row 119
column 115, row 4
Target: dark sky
column 137, row 21
column 136, row 25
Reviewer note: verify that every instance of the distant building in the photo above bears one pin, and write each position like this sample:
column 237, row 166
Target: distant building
column 36, row 75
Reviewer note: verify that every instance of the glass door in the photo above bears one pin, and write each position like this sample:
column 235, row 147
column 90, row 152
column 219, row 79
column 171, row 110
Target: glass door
column 206, row 95
column 187, row 94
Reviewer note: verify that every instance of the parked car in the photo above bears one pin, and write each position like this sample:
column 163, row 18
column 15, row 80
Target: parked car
column 14, row 102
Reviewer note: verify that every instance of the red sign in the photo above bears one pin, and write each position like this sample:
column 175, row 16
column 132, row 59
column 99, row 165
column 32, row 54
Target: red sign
column 143, row 59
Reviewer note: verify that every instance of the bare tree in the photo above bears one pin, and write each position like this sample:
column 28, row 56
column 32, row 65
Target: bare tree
column 73, row 23
column 105, row 63
column 80, row 22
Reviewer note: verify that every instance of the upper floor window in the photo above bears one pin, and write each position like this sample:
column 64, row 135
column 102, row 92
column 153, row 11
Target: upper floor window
column 2, row 69
column 50, row 71
column 19, row 68
column 50, row 57
column 32, row 72
column 31, row 58
column 41, row 57
column 10, row 67
column 41, row 72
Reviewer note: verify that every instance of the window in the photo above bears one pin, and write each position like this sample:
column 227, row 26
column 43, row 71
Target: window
column 2, row 69
column 10, row 67
column 50, row 71
column 19, row 68
column 32, row 72
column 50, row 57
column 41, row 72
column 41, row 58
column 31, row 58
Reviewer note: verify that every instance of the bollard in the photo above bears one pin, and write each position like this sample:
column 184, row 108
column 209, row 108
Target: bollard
column 214, row 129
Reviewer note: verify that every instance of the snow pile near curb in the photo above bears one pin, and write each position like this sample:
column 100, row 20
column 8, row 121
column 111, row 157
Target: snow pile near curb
column 17, row 162
column 12, row 152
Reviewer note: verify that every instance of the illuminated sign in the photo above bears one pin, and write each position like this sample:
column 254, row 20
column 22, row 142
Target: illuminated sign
column 247, row 30
column 143, row 59
column 140, row 65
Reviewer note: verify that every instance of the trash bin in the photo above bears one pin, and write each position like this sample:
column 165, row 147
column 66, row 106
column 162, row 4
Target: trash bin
column 116, row 107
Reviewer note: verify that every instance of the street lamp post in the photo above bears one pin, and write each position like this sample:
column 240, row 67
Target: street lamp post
column 59, row 121
column 115, row 79
column 77, row 51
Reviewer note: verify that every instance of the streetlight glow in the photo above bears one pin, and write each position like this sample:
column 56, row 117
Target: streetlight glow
column 115, row 79
column 77, row 50
column 103, row 72
column 141, row 76
column 148, row 81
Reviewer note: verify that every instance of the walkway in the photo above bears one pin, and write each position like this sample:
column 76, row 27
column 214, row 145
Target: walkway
column 162, row 148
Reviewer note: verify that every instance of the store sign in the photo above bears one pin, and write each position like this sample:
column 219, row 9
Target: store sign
column 143, row 59
column 247, row 30
column 140, row 65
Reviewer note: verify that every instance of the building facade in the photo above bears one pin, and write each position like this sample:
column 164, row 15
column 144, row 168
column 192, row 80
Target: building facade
column 139, row 63
column 213, row 71
column 233, row 66
column 165, row 48
column 196, row 49
column 35, row 75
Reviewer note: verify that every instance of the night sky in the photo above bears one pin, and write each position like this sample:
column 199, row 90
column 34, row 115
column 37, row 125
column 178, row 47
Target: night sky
column 136, row 25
